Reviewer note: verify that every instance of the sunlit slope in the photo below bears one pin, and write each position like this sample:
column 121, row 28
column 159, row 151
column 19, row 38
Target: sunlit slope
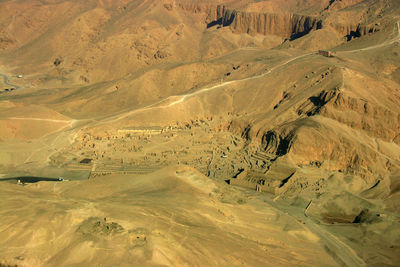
column 172, row 217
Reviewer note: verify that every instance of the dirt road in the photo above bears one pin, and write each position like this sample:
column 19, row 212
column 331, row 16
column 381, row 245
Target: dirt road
column 5, row 81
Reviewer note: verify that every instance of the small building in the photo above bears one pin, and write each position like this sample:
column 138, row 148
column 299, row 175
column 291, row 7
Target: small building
column 141, row 130
column 325, row 53
column 20, row 76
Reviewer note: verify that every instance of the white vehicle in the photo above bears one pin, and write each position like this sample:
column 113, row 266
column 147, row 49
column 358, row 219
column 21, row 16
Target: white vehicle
column 20, row 76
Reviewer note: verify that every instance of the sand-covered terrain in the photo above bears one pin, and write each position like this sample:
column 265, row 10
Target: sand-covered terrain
column 200, row 133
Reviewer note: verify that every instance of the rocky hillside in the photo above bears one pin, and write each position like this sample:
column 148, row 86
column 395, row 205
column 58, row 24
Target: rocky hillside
column 284, row 25
column 294, row 25
column 285, row 112
column 74, row 42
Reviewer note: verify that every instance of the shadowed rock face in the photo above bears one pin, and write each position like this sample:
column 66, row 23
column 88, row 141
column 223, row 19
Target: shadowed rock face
column 284, row 25
column 355, row 31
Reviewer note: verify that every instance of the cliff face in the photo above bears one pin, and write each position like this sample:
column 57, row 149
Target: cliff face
column 194, row 7
column 281, row 24
column 284, row 25
column 340, row 4
column 354, row 31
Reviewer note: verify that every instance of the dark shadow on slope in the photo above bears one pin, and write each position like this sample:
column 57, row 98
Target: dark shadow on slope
column 284, row 181
column 31, row 179
column 353, row 34
column 297, row 35
column 214, row 23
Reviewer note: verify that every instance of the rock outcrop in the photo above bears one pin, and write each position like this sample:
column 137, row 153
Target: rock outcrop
column 284, row 25
column 355, row 31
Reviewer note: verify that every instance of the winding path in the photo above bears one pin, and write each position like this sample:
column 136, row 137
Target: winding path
column 40, row 119
column 182, row 98
column 5, row 81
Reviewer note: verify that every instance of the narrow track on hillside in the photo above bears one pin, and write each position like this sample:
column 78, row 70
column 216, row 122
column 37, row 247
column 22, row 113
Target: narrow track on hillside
column 41, row 119
column 177, row 99
column 5, row 81
column 182, row 98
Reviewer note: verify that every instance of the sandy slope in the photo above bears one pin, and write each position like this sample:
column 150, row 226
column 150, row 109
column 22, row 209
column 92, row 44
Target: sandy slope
column 137, row 86
column 172, row 217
